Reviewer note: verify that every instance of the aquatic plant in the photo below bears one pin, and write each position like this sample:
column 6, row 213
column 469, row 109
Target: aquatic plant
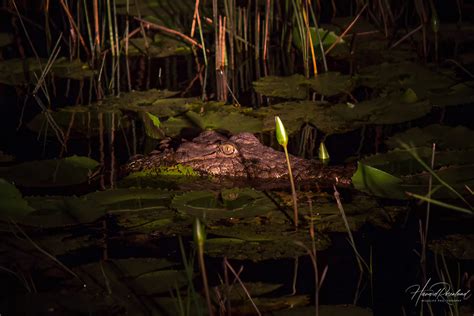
column 282, row 138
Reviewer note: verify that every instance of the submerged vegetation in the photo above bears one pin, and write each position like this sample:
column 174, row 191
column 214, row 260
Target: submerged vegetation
column 387, row 86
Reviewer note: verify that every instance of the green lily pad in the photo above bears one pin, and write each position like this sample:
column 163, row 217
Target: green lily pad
column 12, row 204
column 330, row 83
column 131, row 198
column 377, row 182
column 142, row 276
column 60, row 211
column 458, row 94
column 160, row 46
column 400, row 162
column 327, row 38
column 457, row 246
column 174, row 125
column 342, row 118
column 225, row 119
column 259, row 238
column 5, row 39
column 21, row 71
column 235, row 203
column 168, row 107
column 74, row 69
column 392, row 109
column 414, row 178
column 404, row 75
column 296, row 86
column 80, row 121
column 291, row 87
column 445, row 137
column 255, row 289
column 361, row 210
column 326, row 310
column 152, row 126
column 51, row 173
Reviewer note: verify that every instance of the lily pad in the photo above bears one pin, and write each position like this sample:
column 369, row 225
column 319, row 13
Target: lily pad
column 131, row 198
column 12, row 204
column 51, row 173
column 413, row 176
column 72, row 69
column 327, row 38
column 226, row 119
column 330, row 83
column 80, row 121
column 259, row 238
column 392, row 109
column 394, row 77
column 5, row 39
column 296, row 86
column 342, row 118
column 326, row 310
column 458, row 94
column 457, row 246
column 21, row 71
column 377, row 182
column 142, row 276
column 445, row 137
column 60, row 211
column 159, row 47
column 292, row 87
column 230, row 203
column 400, row 162
column 173, row 126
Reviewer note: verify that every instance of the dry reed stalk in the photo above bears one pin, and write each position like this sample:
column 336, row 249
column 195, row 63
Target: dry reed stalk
column 267, row 22
column 169, row 31
column 195, row 15
column 74, row 26
column 308, row 32
column 346, row 30
column 96, row 26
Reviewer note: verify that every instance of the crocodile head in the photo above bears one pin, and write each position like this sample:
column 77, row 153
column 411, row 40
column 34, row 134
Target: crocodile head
column 241, row 155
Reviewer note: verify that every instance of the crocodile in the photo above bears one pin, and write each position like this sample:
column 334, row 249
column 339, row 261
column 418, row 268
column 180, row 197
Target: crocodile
column 239, row 156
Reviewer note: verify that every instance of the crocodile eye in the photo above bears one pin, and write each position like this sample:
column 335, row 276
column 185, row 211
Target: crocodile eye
column 227, row 149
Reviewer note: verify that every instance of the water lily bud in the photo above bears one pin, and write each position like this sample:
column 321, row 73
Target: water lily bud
column 199, row 233
column 323, row 153
column 281, row 135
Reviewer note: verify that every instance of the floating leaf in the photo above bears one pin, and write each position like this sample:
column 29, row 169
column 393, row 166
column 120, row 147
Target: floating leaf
column 59, row 211
column 5, row 39
column 458, row 94
column 296, row 86
column 226, row 119
column 445, row 137
column 130, row 198
column 396, row 76
column 457, row 246
column 152, row 126
column 326, row 310
column 327, row 38
column 292, row 87
column 377, row 182
column 234, row 203
column 78, row 120
column 330, row 83
column 12, row 205
column 51, row 173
